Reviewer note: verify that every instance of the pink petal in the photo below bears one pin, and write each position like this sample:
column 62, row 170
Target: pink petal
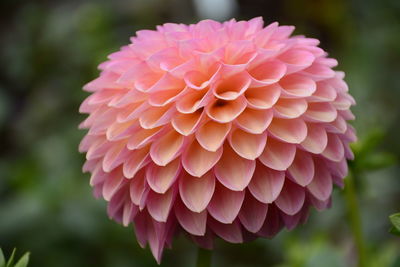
column 164, row 97
column 253, row 213
column 160, row 205
column 196, row 192
column 334, row 149
column 160, row 179
column 272, row 224
column 268, row 73
column 239, row 52
column 197, row 161
column 319, row 205
column 229, row 232
column 297, row 59
column 288, row 130
column 225, row 111
column 118, row 131
column 324, row 93
column 115, row 156
column 211, row 135
column 263, row 97
column 167, row 148
column 141, row 228
column 225, row 204
column 291, row 221
column 98, row 175
column 319, row 72
column 290, row 108
column 266, row 183
column 316, row 139
column 247, row 145
column 232, row 87
column 302, row 168
column 136, row 160
column 343, row 101
column 255, row 121
column 296, row 85
column 194, row 100
column 291, row 199
column 141, row 137
column 113, row 182
column 138, row 188
column 129, row 212
column 277, row 155
column 321, row 185
column 131, row 97
column 233, row 171
column 185, row 124
column 321, row 112
column 157, row 116
column 263, row 36
column 192, row 222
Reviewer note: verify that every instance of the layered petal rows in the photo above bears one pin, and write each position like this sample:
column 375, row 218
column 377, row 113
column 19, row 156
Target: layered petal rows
column 216, row 129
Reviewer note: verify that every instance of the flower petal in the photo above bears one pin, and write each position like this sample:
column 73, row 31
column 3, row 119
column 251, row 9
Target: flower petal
column 185, row 124
column 321, row 112
column 167, row 148
column 160, row 205
column 254, row 121
column 302, row 168
column 226, row 111
column 290, row 108
column 291, row 199
column 233, row 171
column 334, row 149
column 266, row 183
column 253, row 213
column 211, row 135
column 288, row 130
column 277, row 155
column 160, row 179
column 316, row 139
column 136, row 160
column 321, row 185
column 229, row 232
column 225, row 204
column 232, row 87
column 263, row 97
column 247, row 145
column 192, row 222
column 197, row 161
column 196, row 192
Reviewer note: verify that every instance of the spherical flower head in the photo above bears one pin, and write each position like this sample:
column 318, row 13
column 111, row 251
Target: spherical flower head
column 216, row 129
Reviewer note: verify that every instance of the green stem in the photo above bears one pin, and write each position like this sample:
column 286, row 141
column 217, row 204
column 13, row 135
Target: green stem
column 203, row 258
column 354, row 218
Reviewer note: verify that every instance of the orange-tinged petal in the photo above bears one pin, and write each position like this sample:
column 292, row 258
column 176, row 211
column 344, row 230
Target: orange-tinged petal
column 196, row 192
column 233, row 171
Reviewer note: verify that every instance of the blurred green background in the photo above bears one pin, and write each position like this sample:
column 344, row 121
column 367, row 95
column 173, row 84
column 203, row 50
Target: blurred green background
column 50, row 48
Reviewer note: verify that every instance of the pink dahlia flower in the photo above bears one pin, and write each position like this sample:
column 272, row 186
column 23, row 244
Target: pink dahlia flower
column 216, row 129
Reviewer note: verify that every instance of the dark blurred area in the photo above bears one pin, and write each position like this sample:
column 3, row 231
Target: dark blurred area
column 50, row 49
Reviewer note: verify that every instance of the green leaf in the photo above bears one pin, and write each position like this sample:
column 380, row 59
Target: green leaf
column 395, row 220
column 2, row 260
column 23, row 262
column 394, row 231
column 11, row 259
column 378, row 161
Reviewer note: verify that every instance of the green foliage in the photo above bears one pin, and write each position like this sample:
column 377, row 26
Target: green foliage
column 367, row 154
column 22, row 262
column 395, row 220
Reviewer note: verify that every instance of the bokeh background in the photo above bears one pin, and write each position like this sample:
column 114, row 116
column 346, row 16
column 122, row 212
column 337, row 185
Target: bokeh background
column 50, row 48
